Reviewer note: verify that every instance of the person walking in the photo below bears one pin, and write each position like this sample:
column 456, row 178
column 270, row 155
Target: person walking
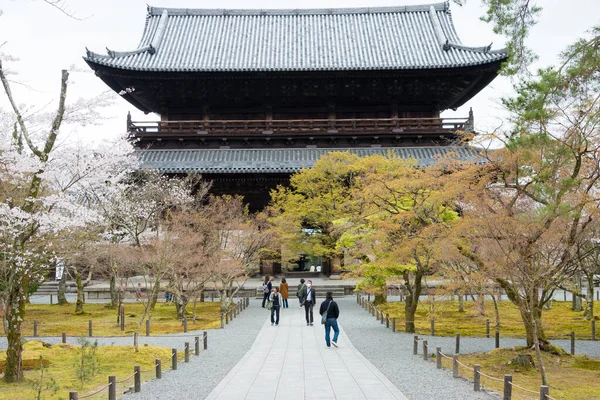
column 138, row 292
column 266, row 286
column 283, row 290
column 309, row 298
column 276, row 302
column 300, row 290
column 330, row 310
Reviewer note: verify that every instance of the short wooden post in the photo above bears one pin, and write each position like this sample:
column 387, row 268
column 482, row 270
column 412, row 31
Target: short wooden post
column 205, row 340
column 507, row 387
column 372, row 310
column 184, row 324
column 186, row 352
column 137, row 379
column 487, row 328
column 476, row 378
column 112, row 388
column 122, row 318
column 73, row 396
column 387, row 320
column 376, row 314
column 438, row 357
column 357, row 298
column 564, row 295
column 64, row 337
column 197, row 345
column 222, row 324
column 455, row 365
column 35, row 331
column 147, row 327
column 394, row 324
column 593, row 329
column 425, row 350
column 226, row 317
column 457, row 347
column 158, row 369
column 433, row 327
column 90, row 328
column 50, row 299
column 544, row 392
column 415, row 345
column 572, row 343
column 173, row 359
column 497, row 339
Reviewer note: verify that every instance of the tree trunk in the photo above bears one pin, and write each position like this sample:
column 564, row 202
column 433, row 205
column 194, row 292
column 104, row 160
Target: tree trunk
column 62, row 299
column 114, row 296
column 589, row 304
column 15, row 313
column 412, row 299
column 496, row 310
column 480, row 303
column 461, row 302
column 154, row 292
column 531, row 318
column 80, row 300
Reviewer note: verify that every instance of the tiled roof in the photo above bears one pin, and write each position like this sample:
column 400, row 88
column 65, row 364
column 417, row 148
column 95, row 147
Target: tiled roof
column 409, row 37
column 222, row 161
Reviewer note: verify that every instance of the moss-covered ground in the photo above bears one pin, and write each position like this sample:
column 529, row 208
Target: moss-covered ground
column 61, row 362
column 558, row 321
column 569, row 377
column 55, row 319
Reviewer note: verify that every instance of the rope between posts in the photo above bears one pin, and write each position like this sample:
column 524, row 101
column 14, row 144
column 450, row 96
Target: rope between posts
column 466, row 366
column 147, row 370
column 443, row 355
column 491, row 377
column 550, row 398
column 96, row 392
column 128, row 378
column 522, row 388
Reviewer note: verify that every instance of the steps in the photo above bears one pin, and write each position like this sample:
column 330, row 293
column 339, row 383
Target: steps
column 51, row 287
column 338, row 291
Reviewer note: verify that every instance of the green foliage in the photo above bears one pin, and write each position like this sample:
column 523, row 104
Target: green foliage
column 41, row 384
column 87, row 365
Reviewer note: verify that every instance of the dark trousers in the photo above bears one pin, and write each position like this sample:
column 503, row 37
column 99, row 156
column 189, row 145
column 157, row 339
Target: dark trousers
column 265, row 298
column 308, row 310
column 275, row 314
column 285, row 303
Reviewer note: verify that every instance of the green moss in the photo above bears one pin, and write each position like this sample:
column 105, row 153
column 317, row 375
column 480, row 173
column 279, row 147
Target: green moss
column 587, row 363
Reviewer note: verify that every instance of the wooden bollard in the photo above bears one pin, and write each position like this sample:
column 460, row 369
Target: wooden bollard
column 455, row 365
column 186, row 352
column 137, row 379
column 173, row 359
column 381, row 317
column 184, row 324
column 222, row 323
column 158, row 369
column 507, row 387
column 50, row 299
column 438, row 357
column 593, row 329
column 226, row 317
column 64, row 337
column 35, row 331
column 572, row 343
column 487, row 328
column 376, row 315
column 394, row 324
column 387, row 320
column 457, row 347
column 497, row 339
column 147, row 327
column 90, row 328
column 205, row 340
column 416, row 345
column 73, row 396
column 433, row 327
column 476, row 378
column 112, row 387
column 544, row 392
column 425, row 350
column 196, row 345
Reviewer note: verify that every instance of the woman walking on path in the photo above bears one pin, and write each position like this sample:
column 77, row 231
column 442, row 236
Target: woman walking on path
column 332, row 312
column 276, row 302
column 300, row 290
column 283, row 290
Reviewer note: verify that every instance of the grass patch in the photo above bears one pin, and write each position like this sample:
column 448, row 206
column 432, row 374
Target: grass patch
column 55, row 319
column 570, row 377
column 558, row 321
column 61, row 361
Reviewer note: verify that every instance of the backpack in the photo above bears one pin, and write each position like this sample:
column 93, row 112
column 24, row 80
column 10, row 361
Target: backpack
column 299, row 292
column 266, row 288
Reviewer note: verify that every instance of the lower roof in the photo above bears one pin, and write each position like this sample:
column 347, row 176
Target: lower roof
column 286, row 161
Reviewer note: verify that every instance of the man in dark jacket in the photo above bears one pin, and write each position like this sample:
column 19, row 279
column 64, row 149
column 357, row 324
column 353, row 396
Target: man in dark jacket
column 266, row 286
column 333, row 312
column 309, row 299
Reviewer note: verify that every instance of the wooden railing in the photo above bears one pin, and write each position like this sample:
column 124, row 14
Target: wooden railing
column 297, row 126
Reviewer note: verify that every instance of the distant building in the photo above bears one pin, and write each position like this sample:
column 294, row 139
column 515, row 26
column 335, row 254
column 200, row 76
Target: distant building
column 248, row 97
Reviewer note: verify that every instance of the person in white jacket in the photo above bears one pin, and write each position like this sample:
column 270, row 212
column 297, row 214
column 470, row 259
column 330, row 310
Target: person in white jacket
column 276, row 302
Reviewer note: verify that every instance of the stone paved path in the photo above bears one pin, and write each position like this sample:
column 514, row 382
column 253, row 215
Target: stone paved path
column 291, row 361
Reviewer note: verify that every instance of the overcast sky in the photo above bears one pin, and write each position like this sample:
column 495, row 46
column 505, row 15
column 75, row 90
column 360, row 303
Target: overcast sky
column 45, row 41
